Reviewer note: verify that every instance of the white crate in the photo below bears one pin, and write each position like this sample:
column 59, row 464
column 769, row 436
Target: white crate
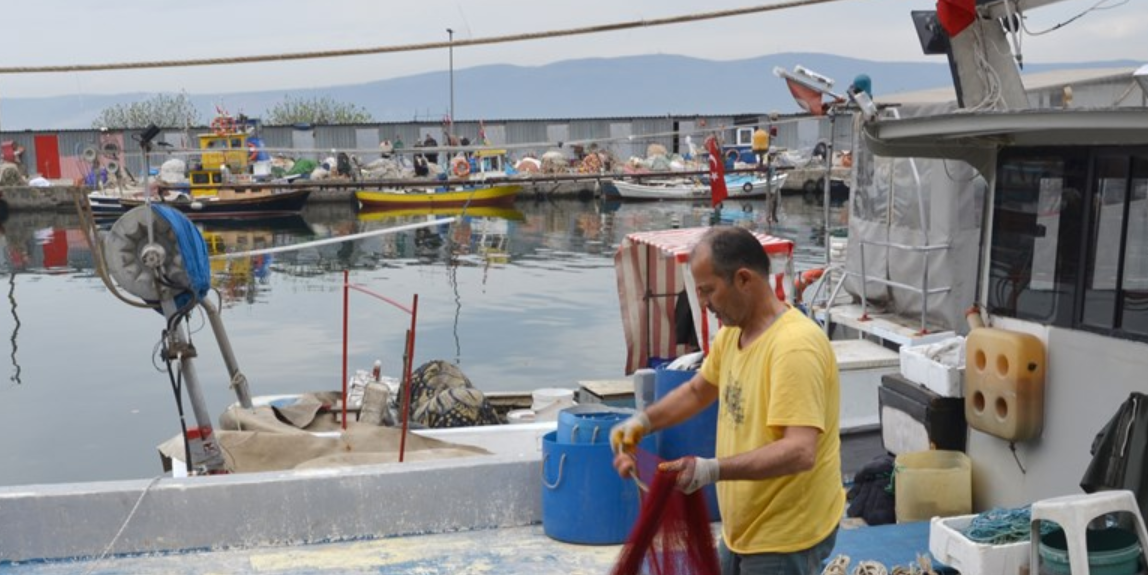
column 945, row 379
column 951, row 547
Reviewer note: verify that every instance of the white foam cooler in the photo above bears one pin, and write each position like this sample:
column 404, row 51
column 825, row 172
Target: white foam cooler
column 949, row 545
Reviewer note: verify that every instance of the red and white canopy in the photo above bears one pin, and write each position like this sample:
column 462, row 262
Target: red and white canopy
column 653, row 269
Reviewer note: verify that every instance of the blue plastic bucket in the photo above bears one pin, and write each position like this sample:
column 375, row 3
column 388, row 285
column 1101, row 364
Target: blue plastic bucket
column 589, row 423
column 583, row 499
column 695, row 436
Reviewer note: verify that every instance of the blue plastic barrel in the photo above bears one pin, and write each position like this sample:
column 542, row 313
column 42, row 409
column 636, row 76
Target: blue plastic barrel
column 583, row 499
column 695, row 436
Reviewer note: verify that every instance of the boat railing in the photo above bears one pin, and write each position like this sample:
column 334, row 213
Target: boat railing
column 924, row 289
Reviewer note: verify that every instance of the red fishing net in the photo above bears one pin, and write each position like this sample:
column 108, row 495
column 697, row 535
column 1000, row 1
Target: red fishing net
column 672, row 534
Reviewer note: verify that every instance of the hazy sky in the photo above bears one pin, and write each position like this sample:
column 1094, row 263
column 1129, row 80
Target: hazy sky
column 61, row 32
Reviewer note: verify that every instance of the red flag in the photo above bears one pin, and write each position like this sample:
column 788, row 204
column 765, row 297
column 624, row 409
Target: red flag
column 956, row 15
column 718, row 191
column 808, row 98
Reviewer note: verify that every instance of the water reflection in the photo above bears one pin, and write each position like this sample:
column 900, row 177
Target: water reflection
column 522, row 299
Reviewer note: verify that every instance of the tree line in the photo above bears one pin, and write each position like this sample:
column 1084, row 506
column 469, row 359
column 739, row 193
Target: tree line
column 177, row 111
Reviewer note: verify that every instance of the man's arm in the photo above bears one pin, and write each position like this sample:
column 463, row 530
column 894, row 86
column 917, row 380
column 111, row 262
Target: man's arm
column 795, row 452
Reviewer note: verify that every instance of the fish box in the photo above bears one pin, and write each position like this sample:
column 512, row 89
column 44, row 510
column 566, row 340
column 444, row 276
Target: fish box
column 938, row 366
column 949, row 545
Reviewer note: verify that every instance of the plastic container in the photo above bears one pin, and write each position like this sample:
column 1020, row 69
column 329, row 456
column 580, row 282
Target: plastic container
column 589, row 423
column 949, row 545
column 696, row 436
column 583, row 499
column 938, row 366
column 547, row 396
column 1111, row 551
column 1004, row 383
column 932, row 484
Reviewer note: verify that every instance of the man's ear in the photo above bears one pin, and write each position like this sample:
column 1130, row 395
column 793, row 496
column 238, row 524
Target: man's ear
column 742, row 277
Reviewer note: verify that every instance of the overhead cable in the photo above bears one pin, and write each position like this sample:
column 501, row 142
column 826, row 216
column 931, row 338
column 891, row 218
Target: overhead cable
column 416, row 47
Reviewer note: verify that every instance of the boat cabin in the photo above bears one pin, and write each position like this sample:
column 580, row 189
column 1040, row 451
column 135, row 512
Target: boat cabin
column 219, row 149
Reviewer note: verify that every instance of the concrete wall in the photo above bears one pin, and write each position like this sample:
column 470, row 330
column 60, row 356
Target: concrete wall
column 263, row 509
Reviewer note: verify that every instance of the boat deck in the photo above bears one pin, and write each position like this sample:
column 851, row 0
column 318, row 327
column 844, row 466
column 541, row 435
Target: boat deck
column 508, row 550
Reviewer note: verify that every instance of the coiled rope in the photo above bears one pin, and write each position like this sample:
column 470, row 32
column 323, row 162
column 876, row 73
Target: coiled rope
column 417, row 47
column 998, row 526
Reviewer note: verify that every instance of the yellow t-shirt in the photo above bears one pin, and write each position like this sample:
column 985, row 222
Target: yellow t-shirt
column 786, row 377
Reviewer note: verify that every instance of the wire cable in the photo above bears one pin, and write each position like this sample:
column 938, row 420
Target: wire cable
column 617, row 26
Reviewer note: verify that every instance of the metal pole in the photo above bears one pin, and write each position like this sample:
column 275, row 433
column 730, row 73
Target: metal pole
column 408, row 360
column 864, row 285
column 450, row 49
column 828, row 180
column 238, row 380
column 346, row 304
column 211, row 457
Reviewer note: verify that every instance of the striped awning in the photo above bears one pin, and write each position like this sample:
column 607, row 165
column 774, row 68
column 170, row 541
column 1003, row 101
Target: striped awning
column 653, row 270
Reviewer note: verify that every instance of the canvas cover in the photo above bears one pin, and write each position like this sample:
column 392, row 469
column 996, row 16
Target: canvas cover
column 268, row 438
column 656, row 263
column 915, row 202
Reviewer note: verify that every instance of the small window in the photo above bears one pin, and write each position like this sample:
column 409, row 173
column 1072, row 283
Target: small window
column 199, row 178
column 1036, row 237
column 745, row 136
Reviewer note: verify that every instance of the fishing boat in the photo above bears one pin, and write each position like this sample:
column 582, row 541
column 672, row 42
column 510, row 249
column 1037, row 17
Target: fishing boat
column 1034, row 215
column 500, row 212
column 740, row 186
column 219, row 184
column 481, row 166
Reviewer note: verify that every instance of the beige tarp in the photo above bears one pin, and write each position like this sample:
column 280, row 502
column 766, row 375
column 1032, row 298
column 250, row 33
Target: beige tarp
column 262, row 440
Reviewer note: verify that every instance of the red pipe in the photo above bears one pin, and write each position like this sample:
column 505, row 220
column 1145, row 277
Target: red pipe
column 346, row 305
column 410, row 356
column 362, row 289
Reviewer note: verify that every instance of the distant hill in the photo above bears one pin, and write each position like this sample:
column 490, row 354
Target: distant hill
column 599, row 87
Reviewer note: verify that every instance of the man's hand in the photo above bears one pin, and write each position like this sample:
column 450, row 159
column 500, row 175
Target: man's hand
column 625, row 436
column 624, row 439
column 694, row 473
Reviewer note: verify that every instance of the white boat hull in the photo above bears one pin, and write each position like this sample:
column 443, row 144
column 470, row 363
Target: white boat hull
column 688, row 189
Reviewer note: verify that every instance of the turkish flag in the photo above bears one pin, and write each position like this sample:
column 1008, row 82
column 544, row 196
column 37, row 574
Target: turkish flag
column 718, row 191
column 956, row 15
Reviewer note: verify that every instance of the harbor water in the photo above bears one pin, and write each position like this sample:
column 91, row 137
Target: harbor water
column 521, row 299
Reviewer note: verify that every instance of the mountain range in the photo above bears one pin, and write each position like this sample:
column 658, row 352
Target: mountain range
column 650, row 85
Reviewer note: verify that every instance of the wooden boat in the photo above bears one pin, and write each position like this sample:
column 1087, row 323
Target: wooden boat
column 227, row 157
column 500, row 195
column 740, row 186
column 501, row 212
column 484, row 165
column 227, row 202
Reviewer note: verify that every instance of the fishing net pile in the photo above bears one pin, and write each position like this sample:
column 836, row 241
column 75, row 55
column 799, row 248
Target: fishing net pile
column 672, row 535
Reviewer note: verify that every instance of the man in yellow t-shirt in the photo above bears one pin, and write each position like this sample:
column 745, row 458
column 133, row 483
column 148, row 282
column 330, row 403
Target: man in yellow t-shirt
column 774, row 374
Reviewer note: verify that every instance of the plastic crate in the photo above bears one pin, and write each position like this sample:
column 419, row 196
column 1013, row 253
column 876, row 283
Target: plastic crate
column 942, row 379
column 951, row 547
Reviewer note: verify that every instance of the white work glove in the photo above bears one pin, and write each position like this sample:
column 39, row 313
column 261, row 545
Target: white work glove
column 625, row 436
column 694, row 473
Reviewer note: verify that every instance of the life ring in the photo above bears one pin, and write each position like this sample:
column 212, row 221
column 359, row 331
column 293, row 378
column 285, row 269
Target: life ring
column 252, row 153
column 222, row 125
column 732, row 155
column 806, row 279
column 460, row 167
column 747, row 187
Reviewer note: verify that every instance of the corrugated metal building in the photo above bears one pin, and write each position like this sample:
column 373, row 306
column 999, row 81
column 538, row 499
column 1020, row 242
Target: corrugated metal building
column 61, row 154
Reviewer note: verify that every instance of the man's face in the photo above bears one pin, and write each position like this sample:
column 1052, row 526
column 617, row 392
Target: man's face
column 721, row 297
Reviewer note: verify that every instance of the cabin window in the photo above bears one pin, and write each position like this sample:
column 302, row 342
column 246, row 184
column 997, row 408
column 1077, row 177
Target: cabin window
column 745, row 136
column 1036, row 234
column 199, row 178
column 1134, row 296
column 1070, row 239
column 1109, row 184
